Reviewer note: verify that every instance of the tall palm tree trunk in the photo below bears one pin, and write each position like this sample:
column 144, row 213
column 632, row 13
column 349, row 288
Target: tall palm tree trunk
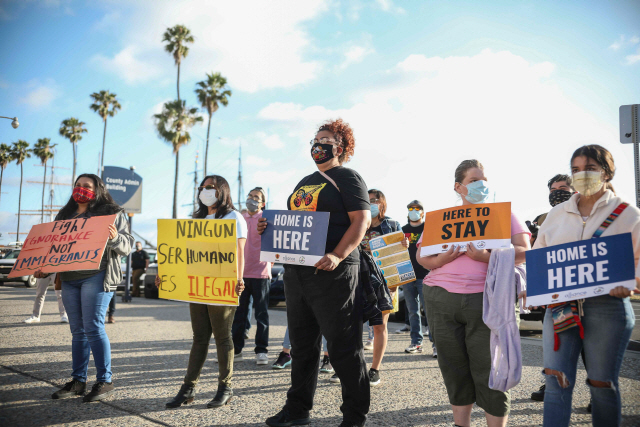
column 73, row 178
column 19, row 205
column 104, row 137
column 206, row 150
column 1, row 173
column 175, row 189
column 44, row 184
column 178, row 83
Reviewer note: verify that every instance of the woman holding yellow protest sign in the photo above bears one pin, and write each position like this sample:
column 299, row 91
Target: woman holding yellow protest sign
column 602, row 325
column 454, row 291
column 86, row 293
column 214, row 202
column 324, row 299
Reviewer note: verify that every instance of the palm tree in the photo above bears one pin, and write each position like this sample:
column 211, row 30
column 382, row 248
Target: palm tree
column 20, row 151
column 43, row 151
column 5, row 159
column 72, row 129
column 176, row 38
column 172, row 126
column 106, row 105
column 211, row 93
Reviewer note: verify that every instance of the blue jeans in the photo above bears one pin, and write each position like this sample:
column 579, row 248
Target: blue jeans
column 259, row 290
column 287, row 342
column 414, row 299
column 608, row 323
column 86, row 303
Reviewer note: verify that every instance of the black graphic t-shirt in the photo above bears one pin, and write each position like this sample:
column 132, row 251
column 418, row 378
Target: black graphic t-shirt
column 413, row 233
column 315, row 193
column 372, row 233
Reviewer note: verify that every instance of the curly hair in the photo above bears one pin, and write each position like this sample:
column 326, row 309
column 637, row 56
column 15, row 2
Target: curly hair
column 343, row 134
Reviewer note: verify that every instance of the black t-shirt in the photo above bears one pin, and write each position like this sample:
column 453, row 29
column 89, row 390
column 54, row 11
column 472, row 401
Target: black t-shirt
column 372, row 233
column 315, row 193
column 413, row 233
column 138, row 258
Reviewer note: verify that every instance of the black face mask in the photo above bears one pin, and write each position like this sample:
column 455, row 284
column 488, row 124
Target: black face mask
column 322, row 153
column 559, row 196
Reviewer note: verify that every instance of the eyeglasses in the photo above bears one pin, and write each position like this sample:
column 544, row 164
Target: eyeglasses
column 414, row 209
column 207, row 187
column 325, row 141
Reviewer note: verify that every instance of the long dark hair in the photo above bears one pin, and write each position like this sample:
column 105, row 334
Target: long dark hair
column 602, row 157
column 223, row 206
column 102, row 204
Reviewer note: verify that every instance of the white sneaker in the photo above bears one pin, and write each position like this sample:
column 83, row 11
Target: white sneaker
column 425, row 333
column 32, row 319
column 238, row 356
column 64, row 319
column 368, row 345
column 435, row 352
column 404, row 329
column 262, row 359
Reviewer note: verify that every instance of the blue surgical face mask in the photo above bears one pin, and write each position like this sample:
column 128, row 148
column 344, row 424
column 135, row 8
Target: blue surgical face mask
column 415, row 215
column 375, row 210
column 478, row 192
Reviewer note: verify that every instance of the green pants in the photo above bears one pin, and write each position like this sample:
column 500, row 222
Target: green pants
column 463, row 343
column 207, row 320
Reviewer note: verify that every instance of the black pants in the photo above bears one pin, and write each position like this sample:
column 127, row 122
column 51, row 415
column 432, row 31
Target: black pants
column 259, row 289
column 326, row 304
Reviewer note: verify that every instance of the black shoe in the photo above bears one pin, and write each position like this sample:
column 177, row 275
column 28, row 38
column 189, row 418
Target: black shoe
column 185, row 396
column 326, row 367
column 99, row 391
column 347, row 423
column 284, row 360
column 589, row 406
column 284, row 419
column 72, row 388
column 539, row 395
column 223, row 396
column 374, row 377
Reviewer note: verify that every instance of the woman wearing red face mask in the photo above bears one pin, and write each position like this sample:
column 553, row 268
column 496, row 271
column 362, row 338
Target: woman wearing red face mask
column 86, row 294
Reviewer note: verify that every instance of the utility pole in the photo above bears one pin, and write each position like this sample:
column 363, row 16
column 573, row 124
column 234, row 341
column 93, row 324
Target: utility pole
column 240, row 188
column 195, row 185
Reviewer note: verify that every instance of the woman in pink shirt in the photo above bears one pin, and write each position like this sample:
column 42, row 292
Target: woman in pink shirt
column 453, row 292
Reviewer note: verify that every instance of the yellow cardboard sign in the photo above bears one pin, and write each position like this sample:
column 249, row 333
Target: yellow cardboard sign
column 197, row 260
column 487, row 225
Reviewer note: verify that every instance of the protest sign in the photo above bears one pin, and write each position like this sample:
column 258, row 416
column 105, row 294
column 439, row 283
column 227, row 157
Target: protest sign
column 294, row 237
column 582, row 269
column 69, row 245
column 393, row 259
column 487, row 225
column 197, row 260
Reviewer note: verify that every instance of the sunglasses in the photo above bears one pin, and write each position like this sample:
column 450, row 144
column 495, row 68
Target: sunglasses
column 414, row 209
column 207, row 187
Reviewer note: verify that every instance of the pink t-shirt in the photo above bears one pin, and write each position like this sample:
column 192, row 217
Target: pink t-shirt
column 464, row 275
column 253, row 267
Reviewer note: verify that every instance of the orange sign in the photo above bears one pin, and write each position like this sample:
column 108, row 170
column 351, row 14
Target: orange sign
column 69, row 245
column 487, row 225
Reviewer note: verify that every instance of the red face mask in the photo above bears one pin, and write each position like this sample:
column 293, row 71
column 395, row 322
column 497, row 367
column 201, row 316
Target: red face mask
column 83, row 195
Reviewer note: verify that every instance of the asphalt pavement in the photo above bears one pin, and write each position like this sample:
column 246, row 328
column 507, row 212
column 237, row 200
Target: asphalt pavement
column 150, row 346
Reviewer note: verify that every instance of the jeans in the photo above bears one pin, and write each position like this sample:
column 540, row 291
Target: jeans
column 207, row 320
column 41, row 292
column 414, row 298
column 259, row 290
column 286, row 343
column 608, row 323
column 112, row 305
column 249, row 310
column 86, row 303
column 326, row 303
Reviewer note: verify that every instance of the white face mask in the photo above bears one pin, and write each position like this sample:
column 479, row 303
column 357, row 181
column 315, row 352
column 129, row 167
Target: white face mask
column 208, row 197
column 587, row 183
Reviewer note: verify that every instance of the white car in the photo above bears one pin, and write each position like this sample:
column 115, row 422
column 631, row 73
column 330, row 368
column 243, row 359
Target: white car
column 153, row 266
column 6, row 264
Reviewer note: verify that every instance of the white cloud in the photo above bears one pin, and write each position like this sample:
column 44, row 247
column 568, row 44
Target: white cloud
column 40, row 95
column 355, row 54
column 629, row 43
column 272, row 141
column 434, row 112
column 257, row 45
column 257, row 161
column 633, row 58
column 616, row 45
column 634, row 40
column 389, row 6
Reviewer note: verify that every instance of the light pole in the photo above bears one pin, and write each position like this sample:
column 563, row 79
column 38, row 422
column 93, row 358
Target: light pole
column 14, row 122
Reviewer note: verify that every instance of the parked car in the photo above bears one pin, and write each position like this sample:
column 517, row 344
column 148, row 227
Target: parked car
column 152, row 262
column 276, row 291
column 6, row 264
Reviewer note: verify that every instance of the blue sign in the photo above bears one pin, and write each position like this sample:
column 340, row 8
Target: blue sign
column 582, row 269
column 294, row 237
column 125, row 186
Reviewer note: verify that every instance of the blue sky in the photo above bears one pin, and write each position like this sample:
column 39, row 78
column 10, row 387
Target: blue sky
column 518, row 85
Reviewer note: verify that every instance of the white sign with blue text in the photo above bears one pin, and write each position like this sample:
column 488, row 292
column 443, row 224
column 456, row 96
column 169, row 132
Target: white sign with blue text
column 582, row 269
column 294, row 237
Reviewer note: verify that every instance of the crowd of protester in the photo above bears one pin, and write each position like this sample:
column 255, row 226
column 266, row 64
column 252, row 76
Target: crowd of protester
column 454, row 301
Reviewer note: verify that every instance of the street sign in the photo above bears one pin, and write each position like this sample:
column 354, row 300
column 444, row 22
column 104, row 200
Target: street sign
column 125, row 186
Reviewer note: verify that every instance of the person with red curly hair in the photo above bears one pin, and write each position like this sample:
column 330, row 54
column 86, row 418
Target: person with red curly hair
column 324, row 299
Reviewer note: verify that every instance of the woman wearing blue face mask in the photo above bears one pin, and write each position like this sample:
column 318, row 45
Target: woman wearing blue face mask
column 380, row 225
column 453, row 291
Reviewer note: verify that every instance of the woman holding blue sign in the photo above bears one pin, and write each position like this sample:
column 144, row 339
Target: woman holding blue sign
column 600, row 324
column 323, row 300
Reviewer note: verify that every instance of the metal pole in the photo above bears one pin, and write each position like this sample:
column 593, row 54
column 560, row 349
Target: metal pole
column 127, row 296
column 636, row 150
